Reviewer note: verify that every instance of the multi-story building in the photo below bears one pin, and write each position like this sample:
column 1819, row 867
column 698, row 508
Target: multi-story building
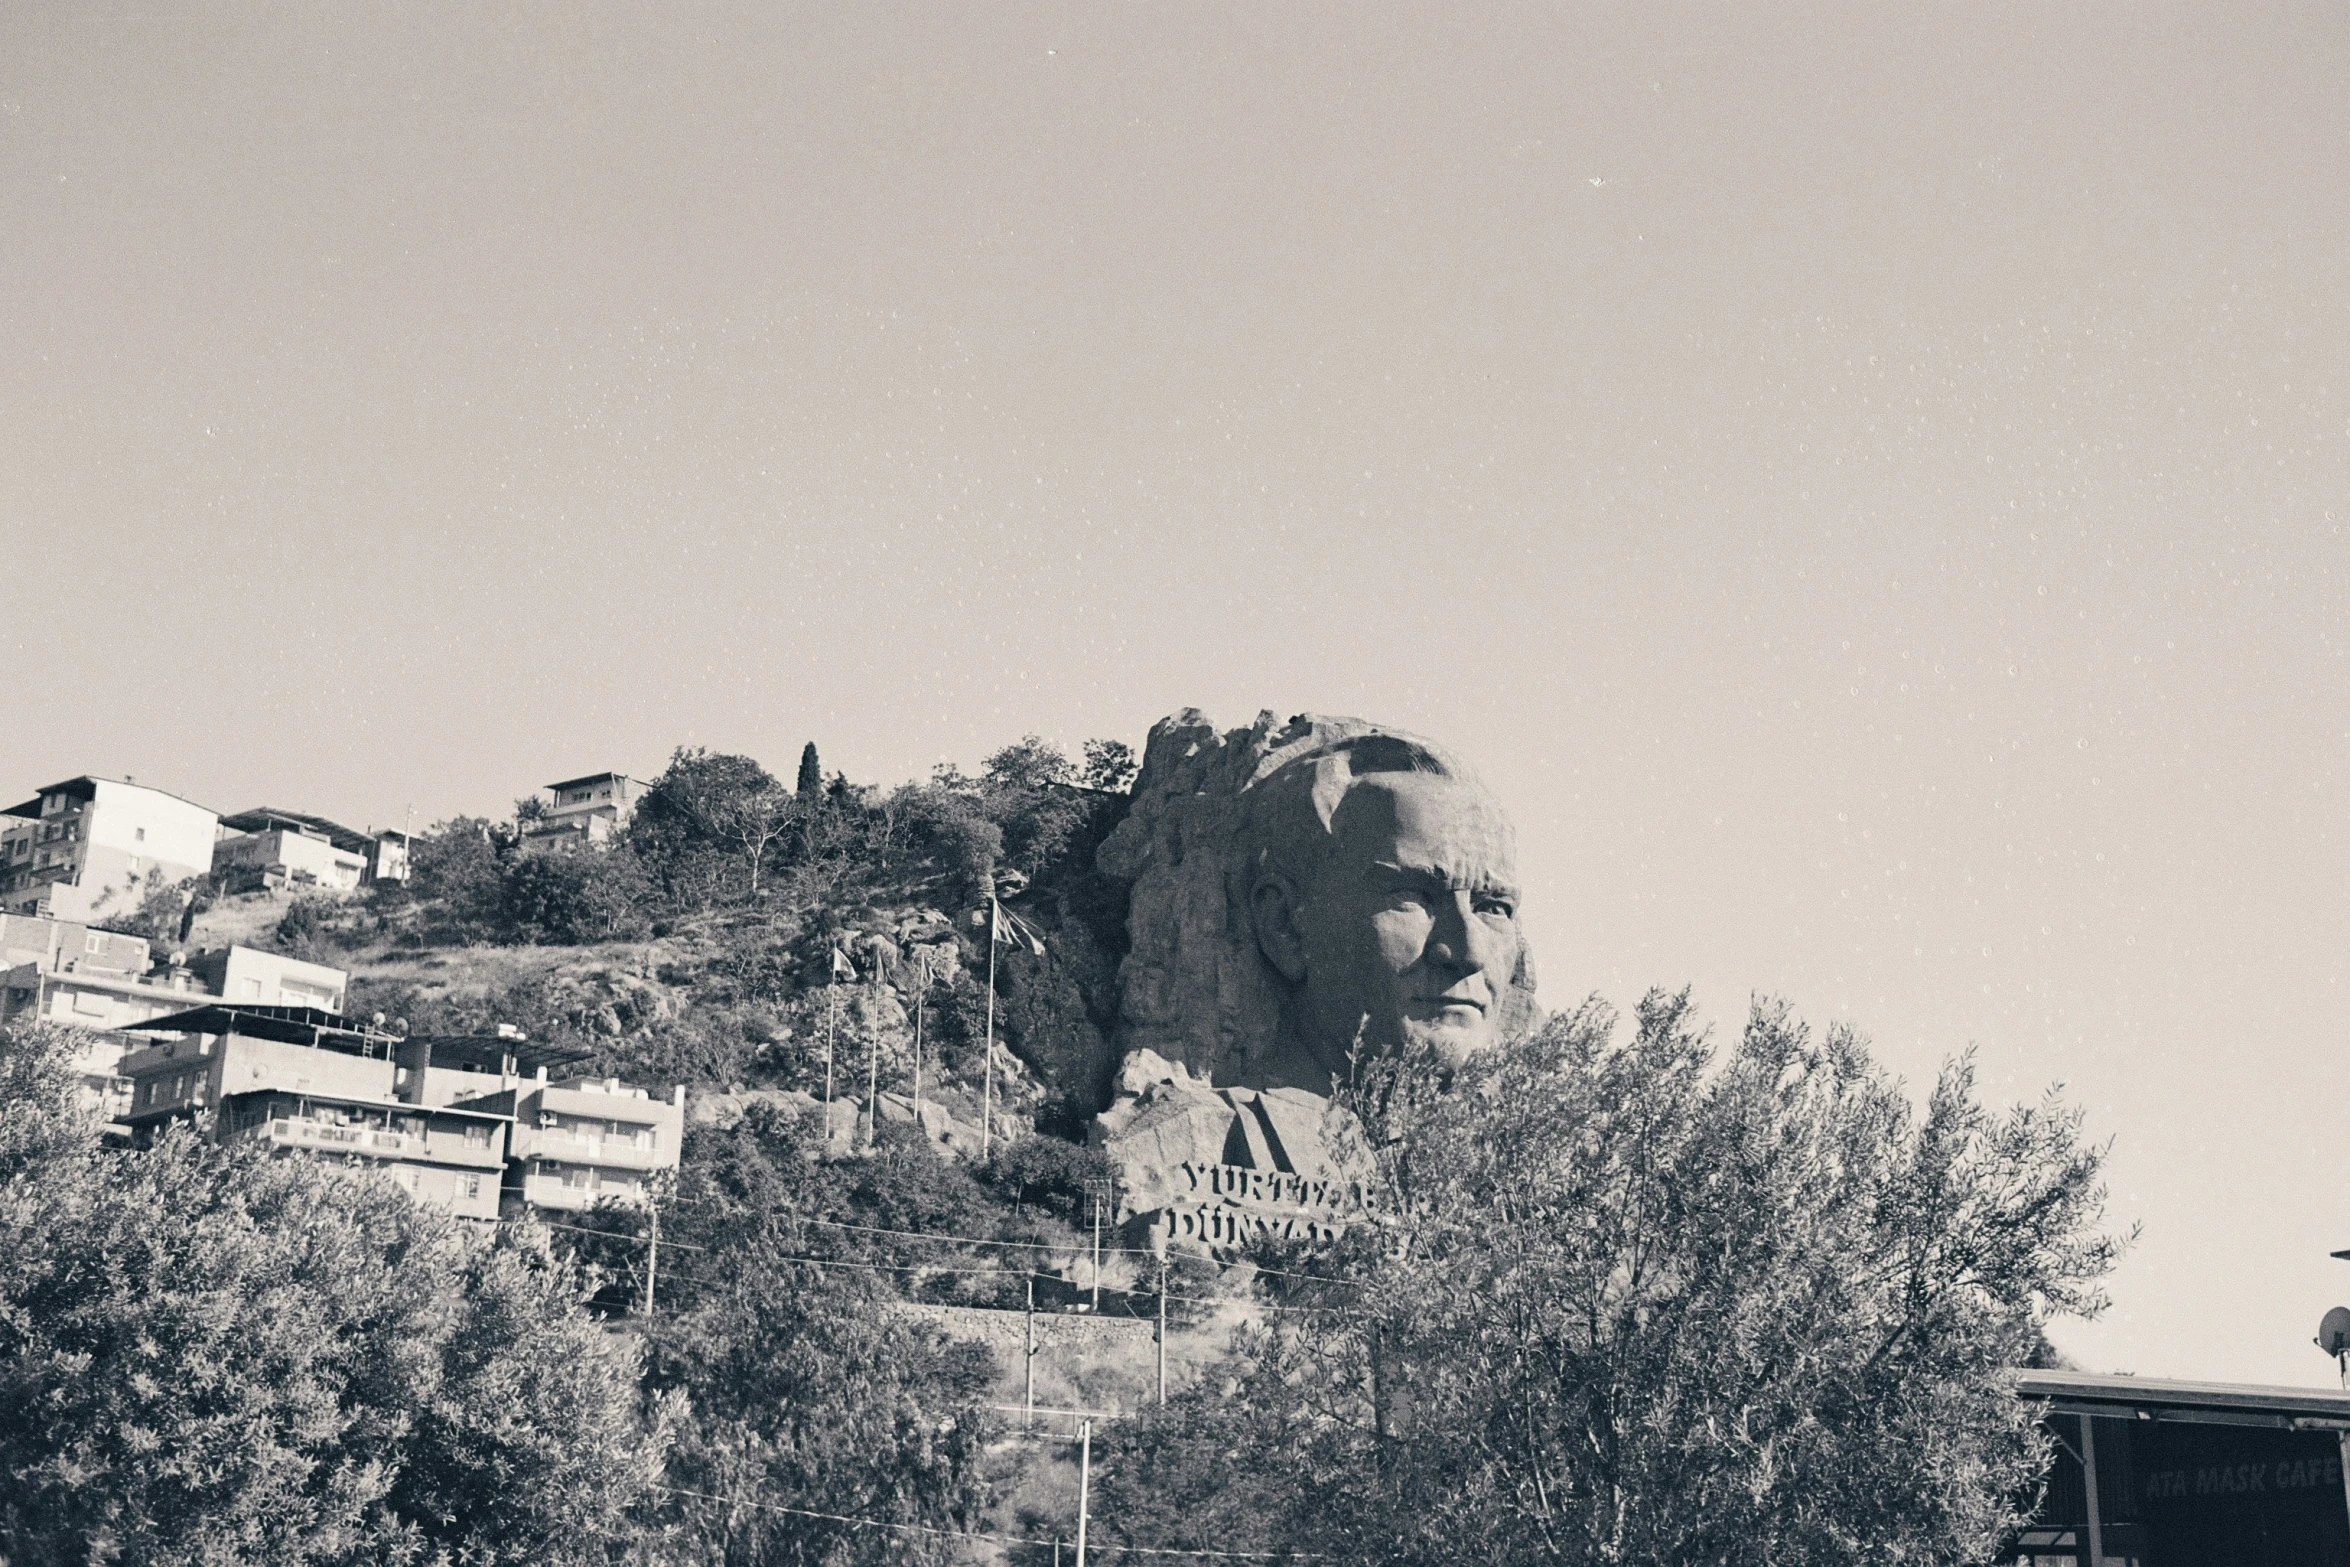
column 266, row 848
column 64, row 972
column 247, row 976
column 579, row 1141
column 436, row 1112
column 293, row 850
column 303, row 1080
column 91, row 846
column 588, row 813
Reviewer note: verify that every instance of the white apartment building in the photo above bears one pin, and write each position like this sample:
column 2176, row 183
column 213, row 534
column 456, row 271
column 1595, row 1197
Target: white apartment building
column 88, row 847
column 588, row 813
column 295, row 851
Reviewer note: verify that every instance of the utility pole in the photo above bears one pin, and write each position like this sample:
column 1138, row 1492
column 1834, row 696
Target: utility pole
column 1084, row 1483
column 1028, row 1361
column 652, row 1253
column 1162, row 1330
column 921, row 999
column 831, row 1007
column 1097, row 1252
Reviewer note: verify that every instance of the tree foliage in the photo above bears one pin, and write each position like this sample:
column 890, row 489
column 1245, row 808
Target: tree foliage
column 1629, row 1304
column 575, row 898
column 798, row 1387
column 710, row 806
column 1110, row 765
column 210, row 1355
column 459, row 866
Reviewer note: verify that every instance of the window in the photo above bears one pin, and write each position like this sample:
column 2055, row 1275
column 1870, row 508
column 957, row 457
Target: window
column 138, row 835
column 477, row 1136
column 471, row 1186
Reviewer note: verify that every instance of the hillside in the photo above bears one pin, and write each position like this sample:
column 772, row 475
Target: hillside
column 677, row 957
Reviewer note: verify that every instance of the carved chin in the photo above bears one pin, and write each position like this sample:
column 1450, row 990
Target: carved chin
column 1453, row 1040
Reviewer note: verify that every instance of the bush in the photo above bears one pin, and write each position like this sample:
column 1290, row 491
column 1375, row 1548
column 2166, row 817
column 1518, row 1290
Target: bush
column 210, row 1355
column 574, row 899
column 1048, row 1172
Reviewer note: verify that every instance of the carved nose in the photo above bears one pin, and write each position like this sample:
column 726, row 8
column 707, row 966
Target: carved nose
column 1449, row 940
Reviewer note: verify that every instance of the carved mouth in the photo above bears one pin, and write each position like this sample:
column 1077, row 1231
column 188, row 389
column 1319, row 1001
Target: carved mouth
column 1442, row 1005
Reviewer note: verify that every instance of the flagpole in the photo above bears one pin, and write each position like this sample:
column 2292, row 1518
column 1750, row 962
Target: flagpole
column 873, row 1071
column 987, row 1101
column 831, row 1006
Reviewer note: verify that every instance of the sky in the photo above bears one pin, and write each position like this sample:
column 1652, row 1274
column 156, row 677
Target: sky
column 1866, row 485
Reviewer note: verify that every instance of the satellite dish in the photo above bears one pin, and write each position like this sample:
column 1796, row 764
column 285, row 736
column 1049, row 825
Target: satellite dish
column 2333, row 1332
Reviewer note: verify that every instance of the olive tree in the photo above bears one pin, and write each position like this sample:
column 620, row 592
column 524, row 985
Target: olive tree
column 209, row 1355
column 1624, row 1302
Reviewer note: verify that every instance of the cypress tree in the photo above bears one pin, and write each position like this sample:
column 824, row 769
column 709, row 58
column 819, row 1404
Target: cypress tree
column 810, row 784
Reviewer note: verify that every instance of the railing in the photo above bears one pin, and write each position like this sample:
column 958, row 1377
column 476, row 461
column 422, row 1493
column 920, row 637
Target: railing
column 556, row 1143
column 303, row 1132
column 550, row 1191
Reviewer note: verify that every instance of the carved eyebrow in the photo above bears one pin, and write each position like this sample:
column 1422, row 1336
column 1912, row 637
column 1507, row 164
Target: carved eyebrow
column 1446, row 878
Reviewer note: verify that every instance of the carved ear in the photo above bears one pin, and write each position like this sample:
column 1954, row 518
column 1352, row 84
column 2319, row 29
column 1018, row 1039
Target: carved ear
column 1273, row 910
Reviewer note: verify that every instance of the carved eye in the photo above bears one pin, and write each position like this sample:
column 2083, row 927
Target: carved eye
column 1496, row 908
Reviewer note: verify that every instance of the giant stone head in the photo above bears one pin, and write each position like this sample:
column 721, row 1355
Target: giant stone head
column 1306, row 889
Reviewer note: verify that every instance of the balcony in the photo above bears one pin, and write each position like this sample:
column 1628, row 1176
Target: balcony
column 549, row 1191
column 571, row 1148
column 375, row 1142
column 327, row 1137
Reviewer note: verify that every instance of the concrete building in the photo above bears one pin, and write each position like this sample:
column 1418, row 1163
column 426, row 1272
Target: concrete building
column 247, row 976
column 294, row 851
column 2152, row 1472
column 303, row 1080
column 64, row 972
column 87, row 847
column 260, row 849
column 579, row 1141
column 588, row 813
column 436, row 1112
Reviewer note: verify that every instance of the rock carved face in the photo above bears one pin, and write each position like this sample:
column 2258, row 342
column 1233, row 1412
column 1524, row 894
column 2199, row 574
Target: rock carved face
column 1405, row 931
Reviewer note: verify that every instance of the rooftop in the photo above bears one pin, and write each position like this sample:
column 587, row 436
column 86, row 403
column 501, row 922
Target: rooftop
column 2208, row 1403
column 324, row 1030
column 573, row 783
column 263, row 817
column 86, row 787
column 492, row 1050
column 313, row 1026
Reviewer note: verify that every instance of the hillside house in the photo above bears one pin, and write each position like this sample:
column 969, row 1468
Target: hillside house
column 435, row 1112
column 305, row 1080
column 579, row 1141
column 91, row 846
column 587, row 813
column 67, row 973
column 294, row 851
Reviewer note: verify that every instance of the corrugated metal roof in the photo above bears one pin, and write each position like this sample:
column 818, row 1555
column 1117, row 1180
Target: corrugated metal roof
column 2164, row 1398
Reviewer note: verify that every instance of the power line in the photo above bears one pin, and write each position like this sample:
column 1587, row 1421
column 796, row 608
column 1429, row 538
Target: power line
column 934, row 1269
column 975, row 1240
column 983, row 1534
